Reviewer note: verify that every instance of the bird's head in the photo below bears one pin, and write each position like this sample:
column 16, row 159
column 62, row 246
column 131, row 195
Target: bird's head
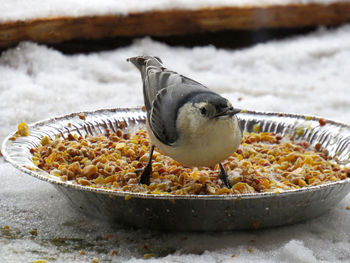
column 205, row 109
column 212, row 106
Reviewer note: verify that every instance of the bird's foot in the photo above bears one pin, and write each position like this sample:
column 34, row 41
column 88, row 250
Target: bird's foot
column 223, row 177
column 145, row 177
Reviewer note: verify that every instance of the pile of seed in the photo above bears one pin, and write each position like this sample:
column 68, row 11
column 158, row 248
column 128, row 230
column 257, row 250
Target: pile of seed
column 265, row 162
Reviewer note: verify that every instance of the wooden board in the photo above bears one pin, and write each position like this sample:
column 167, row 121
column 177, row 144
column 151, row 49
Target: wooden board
column 173, row 22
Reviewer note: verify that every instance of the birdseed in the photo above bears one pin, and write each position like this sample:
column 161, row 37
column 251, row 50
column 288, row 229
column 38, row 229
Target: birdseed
column 264, row 162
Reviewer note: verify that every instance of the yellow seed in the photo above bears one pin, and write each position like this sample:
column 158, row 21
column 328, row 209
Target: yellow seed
column 211, row 189
column 116, row 155
column 134, row 141
column 284, row 165
column 127, row 197
column 45, row 140
column 195, row 175
column 131, row 175
column 103, row 158
column 109, row 179
column 250, row 250
column 99, row 180
column 266, row 137
column 256, row 128
column 144, row 157
column 245, row 163
column 6, row 227
column 64, row 178
column 156, row 192
column 130, row 152
column 223, row 190
column 51, row 158
column 120, row 145
column 266, row 183
column 35, row 160
column 147, row 256
column 55, row 172
column 299, row 131
column 33, row 232
column 84, row 182
column 89, row 170
column 243, row 188
column 133, row 165
column 301, row 182
column 23, row 129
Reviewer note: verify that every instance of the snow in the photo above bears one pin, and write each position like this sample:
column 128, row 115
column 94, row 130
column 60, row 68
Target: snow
column 307, row 74
column 15, row 10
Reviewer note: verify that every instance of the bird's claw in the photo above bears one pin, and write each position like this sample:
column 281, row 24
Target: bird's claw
column 223, row 177
column 145, row 177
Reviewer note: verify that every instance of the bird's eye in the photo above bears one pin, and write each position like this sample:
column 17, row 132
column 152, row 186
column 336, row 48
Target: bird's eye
column 203, row 111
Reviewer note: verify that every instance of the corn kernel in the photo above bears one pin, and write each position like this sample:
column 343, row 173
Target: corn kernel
column 51, row 158
column 99, row 180
column 256, row 128
column 89, row 170
column 45, row 140
column 299, row 131
column 22, row 129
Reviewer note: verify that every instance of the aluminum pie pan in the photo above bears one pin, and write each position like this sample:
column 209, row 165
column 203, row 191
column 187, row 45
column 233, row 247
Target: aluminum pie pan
column 191, row 212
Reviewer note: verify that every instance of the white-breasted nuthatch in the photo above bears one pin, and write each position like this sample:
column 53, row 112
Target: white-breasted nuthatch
column 185, row 120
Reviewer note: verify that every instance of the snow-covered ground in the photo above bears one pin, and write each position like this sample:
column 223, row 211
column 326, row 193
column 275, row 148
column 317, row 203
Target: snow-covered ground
column 308, row 74
column 32, row 9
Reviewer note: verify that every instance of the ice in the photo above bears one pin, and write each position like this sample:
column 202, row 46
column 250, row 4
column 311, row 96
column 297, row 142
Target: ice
column 15, row 10
column 307, row 74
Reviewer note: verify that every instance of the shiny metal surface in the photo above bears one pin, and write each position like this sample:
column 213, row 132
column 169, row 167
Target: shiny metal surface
column 200, row 213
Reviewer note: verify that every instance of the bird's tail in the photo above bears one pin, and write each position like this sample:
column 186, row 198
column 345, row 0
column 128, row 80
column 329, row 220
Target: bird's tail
column 148, row 65
column 143, row 62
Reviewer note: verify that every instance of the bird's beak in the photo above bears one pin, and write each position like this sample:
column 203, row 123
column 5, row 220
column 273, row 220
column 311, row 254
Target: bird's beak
column 229, row 111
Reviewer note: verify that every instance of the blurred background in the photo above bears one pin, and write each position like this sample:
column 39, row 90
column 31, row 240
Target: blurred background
column 74, row 27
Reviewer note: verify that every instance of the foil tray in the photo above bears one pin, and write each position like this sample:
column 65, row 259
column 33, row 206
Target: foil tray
column 192, row 212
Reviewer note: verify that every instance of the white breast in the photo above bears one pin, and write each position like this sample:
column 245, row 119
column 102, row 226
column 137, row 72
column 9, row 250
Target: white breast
column 202, row 142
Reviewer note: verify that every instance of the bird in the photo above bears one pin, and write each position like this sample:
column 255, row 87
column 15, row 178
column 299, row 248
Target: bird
column 186, row 121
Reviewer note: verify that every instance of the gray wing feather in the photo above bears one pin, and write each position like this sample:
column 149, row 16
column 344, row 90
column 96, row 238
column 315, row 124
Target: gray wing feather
column 164, row 91
column 165, row 106
column 159, row 127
